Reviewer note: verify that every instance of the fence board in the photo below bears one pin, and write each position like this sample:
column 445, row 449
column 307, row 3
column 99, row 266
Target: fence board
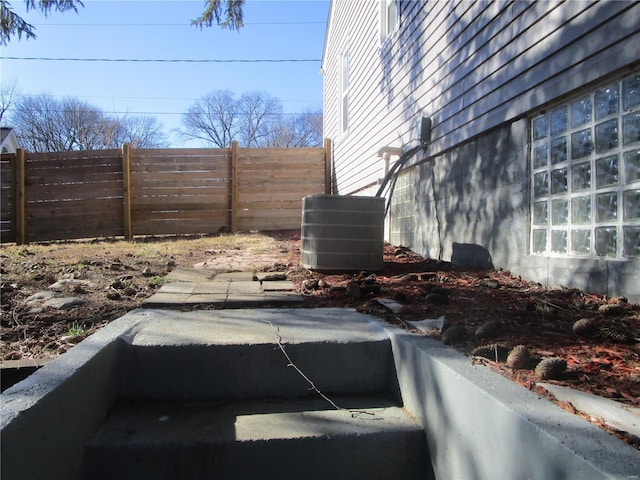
column 74, row 155
column 7, row 197
column 80, row 191
column 157, row 191
column 180, row 227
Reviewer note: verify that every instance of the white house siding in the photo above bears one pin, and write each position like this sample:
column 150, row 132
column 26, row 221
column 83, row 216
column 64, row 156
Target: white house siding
column 470, row 66
column 480, row 70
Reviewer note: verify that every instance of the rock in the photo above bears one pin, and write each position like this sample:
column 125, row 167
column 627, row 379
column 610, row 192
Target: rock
column 147, row 272
column 274, row 277
column 39, row 297
column 64, row 303
column 353, row 290
column 114, row 295
column 129, row 291
column 310, row 284
column 391, row 304
column 618, row 300
column 373, row 288
column 409, row 277
column 69, row 284
column 337, row 289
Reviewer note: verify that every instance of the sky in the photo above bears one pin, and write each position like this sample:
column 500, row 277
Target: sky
column 160, row 30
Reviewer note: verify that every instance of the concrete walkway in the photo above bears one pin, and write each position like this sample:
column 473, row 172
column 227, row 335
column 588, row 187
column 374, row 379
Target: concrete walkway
column 226, row 290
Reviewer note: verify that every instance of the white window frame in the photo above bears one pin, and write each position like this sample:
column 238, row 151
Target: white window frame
column 344, row 92
column 389, row 18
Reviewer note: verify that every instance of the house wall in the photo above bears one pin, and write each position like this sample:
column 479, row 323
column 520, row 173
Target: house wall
column 471, row 207
column 9, row 141
column 480, row 71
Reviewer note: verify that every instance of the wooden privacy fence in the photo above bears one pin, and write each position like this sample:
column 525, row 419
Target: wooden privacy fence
column 128, row 192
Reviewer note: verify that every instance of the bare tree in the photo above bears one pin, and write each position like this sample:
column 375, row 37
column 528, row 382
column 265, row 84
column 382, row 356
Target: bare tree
column 213, row 119
column 44, row 124
column 254, row 120
column 308, row 129
column 139, row 131
column 259, row 111
column 226, row 13
column 8, row 98
column 302, row 130
column 81, row 125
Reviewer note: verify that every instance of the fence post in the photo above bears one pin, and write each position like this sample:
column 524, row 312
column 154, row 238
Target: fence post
column 21, row 197
column 327, row 166
column 234, row 186
column 126, row 190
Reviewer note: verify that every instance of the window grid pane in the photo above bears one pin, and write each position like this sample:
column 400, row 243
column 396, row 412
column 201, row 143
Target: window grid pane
column 585, row 159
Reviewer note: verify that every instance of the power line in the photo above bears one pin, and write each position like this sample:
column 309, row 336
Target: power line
column 137, row 97
column 162, row 60
column 165, row 24
column 13, row 109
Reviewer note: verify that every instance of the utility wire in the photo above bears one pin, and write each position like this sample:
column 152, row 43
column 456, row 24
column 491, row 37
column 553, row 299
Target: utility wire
column 14, row 109
column 163, row 24
column 161, row 60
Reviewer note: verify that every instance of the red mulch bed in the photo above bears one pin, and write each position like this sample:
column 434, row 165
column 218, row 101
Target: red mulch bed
column 521, row 313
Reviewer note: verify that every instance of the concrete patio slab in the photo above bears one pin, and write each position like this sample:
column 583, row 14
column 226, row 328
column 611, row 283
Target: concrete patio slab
column 207, row 298
column 166, row 298
column 277, row 286
column 220, row 288
column 244, row 288
column 178, row 287
column 181, row 274
column 235, row 277
column 227, row 290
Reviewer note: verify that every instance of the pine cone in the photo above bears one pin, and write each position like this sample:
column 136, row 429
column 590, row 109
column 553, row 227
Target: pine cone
column 437, row 299
column 616, row 335
column 585, row 327
column 550, row 368
column 487, row 329
column 611, row 309
column 545, row 308
column 489, row 283
column 454, row 334
column 518, row 357
column 496, row 352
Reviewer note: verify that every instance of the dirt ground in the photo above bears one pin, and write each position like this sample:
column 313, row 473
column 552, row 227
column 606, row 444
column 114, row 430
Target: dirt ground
column 486, row 313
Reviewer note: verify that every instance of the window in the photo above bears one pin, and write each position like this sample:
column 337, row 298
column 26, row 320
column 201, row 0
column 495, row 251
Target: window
column 585, row 175
column 344, row 93
column 388, row 17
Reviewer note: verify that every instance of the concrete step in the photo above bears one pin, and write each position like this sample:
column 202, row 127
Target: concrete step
column 287, row 439
column 224, row 354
